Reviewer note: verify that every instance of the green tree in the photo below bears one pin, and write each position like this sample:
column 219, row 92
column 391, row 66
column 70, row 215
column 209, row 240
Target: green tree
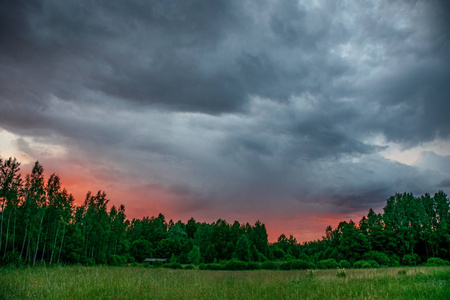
column 243, row 249
column 10, row 189
column 141, row 249
column 352, row 243
column 194, row 256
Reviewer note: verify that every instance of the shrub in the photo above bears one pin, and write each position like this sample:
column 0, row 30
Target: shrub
column 174, row 265
column 436, row 261
column 366, row 265
column 328, row 264
column 188, row 267
column 297, row 265
column 269, row 265
column 394, row 263
column 261, row 257
column 213, row 267
column 361, row 264
column 286, row 265
column 373, row 264
column 303, row 256
column 288, row 257
column 173, row 259
column 157, row 264
column 88, row 261
column 11, row 259
column 278, row 253
column 235, row 265
column 253, row 265
column 202, row 266
column 380, row 257
column 302, row 265
column 341, row 273
column 401, row 272
column 344, row 264
column 311, row 273
column 113, row 260
column 410, row 259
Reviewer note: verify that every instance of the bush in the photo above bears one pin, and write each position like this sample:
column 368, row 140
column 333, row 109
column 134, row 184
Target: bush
column 341, row 273
column 174, row 265
column 380, row 257
column 12, row 259
column 436, row 261
column 311, row 273
column 373, row 264
column 88, row 261
column 213, row 267
column 269, row 265
column 278, row 253
column 234, row 264
column 129, row 258
column 112, row 260
column 297, row 265
column 302, row 265
column 344, row 264
column 361, row 264
column 286, row 266
column 303, row 256
column 116, row 260
column 366, row 266
column 253, row 265
column 410, row 259
column 188, row 267
column 261, row 257
column 328, row 264
column 202, row 266
column 157, row 264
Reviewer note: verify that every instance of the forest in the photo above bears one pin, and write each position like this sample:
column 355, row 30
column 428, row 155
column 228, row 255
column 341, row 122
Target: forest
column 41, row 224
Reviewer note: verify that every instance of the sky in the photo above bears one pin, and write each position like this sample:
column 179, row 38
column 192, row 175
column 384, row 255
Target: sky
column 299, row 114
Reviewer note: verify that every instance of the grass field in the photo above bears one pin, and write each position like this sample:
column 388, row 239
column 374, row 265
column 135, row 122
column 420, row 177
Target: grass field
column 78, row 282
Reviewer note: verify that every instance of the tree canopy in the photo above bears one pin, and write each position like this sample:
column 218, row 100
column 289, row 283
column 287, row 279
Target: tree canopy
column 40, row 223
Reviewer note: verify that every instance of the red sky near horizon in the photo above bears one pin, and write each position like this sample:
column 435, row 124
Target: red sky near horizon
column 152, row 201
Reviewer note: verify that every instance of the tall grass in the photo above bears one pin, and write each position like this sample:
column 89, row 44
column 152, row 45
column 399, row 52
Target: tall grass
column 101, row 282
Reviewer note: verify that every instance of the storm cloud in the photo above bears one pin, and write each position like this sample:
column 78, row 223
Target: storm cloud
column 232, row 109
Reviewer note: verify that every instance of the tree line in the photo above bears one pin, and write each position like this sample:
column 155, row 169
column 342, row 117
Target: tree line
column 40, row 223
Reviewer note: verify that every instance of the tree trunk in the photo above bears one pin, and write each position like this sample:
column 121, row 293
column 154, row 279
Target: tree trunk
column 37, row 244
column 7, row 236
column 24, row 239
column 54, row 244
column 27, row 254
column 14, row 231
column 62, row 240
column 1, row 226
column 45, row 244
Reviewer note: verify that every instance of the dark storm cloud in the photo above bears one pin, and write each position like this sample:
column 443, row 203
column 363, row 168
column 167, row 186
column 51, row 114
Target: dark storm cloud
column 236, row 102
column 170, row 54
column 137, row 51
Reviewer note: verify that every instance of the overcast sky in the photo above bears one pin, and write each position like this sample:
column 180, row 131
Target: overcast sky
column 297, row 113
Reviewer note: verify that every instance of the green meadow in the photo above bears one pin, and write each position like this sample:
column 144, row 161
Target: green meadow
column 103, row 282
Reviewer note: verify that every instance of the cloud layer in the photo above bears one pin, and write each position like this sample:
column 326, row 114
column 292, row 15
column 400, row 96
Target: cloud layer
column 234, row 109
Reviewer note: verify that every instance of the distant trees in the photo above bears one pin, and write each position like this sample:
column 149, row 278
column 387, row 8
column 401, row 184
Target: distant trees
column 411, row 230
column 10, row 184
column 39, row 223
